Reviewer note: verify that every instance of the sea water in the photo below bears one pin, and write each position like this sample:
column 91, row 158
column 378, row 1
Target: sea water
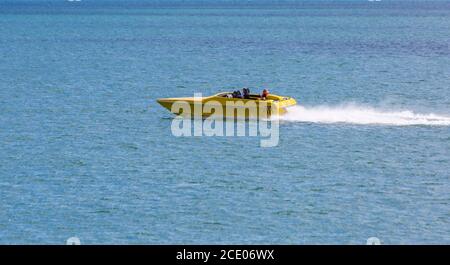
column 86, row 152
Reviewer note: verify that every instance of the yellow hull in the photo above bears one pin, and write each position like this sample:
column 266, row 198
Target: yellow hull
column 221, row 105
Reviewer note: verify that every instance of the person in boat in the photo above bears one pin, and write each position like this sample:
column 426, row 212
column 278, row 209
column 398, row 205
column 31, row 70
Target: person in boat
column 237, row 94
column 265, row 94
column 246, row 93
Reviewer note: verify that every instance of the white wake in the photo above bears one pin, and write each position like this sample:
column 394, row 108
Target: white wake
column 354, row 114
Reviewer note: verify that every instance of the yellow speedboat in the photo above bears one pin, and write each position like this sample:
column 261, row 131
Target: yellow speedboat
column 223, row 104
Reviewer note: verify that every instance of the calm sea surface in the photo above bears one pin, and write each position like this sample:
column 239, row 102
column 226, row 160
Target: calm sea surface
column 86, row 151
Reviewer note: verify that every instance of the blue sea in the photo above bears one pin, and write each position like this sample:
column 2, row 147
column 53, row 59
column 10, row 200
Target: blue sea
column 86, row 151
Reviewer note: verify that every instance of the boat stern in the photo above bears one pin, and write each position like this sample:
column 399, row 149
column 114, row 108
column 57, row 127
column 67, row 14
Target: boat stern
column 283, row 103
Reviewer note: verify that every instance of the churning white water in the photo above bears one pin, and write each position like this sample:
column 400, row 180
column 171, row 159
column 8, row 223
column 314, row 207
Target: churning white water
column 354, row 114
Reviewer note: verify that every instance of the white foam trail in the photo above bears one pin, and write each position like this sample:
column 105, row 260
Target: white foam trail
column 354, row 114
